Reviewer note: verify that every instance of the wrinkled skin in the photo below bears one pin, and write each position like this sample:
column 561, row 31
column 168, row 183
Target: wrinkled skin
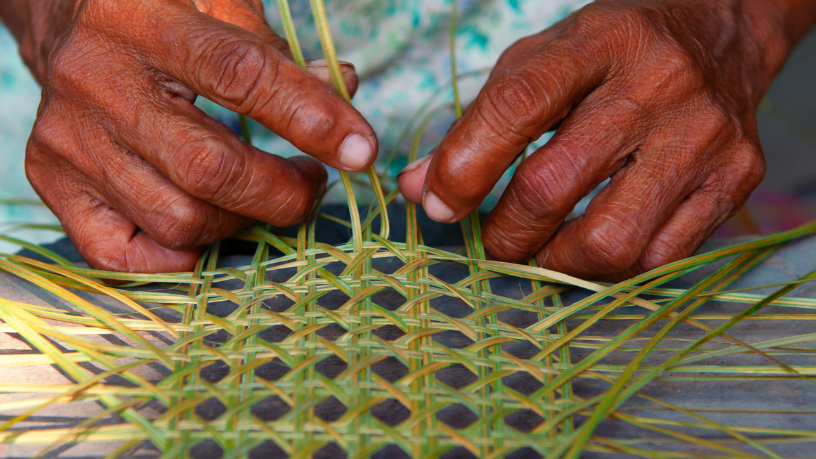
column 659, row 96
column 139, row 177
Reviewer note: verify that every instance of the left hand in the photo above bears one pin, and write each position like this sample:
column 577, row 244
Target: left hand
column 659, row 96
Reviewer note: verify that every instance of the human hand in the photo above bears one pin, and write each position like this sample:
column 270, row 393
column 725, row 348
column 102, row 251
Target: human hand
column 139, row 177
column 658, row 96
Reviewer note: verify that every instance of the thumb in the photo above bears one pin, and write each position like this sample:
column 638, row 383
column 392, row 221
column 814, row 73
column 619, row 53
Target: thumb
column 249, row 15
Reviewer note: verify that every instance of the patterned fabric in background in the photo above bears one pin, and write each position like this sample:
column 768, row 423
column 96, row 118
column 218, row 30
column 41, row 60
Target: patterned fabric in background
column 399, row 47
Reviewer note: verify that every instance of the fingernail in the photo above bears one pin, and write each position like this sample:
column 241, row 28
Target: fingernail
column 325, row 63
column 414, row 165
column 436, row 209
column 356, row 151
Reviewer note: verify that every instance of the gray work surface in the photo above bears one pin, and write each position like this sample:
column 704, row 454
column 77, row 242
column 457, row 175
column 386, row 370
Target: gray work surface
column 791, row 261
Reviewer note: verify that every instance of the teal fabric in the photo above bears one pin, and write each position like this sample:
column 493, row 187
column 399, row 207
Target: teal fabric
column 399, row 47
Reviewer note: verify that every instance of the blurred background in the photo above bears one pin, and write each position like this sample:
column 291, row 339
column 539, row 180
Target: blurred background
column 787, row 128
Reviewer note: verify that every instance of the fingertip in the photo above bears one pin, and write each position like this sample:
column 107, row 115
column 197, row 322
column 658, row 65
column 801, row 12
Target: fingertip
column 412, row 179
column 436, row 209
column 357, row 152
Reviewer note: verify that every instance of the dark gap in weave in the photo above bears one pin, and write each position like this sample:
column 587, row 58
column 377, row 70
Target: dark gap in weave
column 278, row 303
column 144, row 450
column 435, row 234
column 524, row 420
column 388, row 298
column 272, row 370
column 331, row 332
column 391, row 412
column 330, row 409
column 522, row 382
column 451, row 306
column 335, row 267
column 275, row 333
column 388, row 332
column 518, row 318
column 210, row 409
column 280, row 275
column 331, row 366
column 449, row 272
column 207, row 449
column 457, row 416
column 121, row 381
column 268, row 450
column 221, row 308
column 158, row 336
column 116, row 380
column 522, row 349
column 229, row 283
column 214, row 372
column 330, row 451
column 622, row 430
column 391, row 452
column 460, row 452
column 217, row 338
column 524, row 453
column 270, row 409
column 390, row 369
column 453, row 339
column 388, row 265
column 332, row 299
column 31, row 349
column 455, row 375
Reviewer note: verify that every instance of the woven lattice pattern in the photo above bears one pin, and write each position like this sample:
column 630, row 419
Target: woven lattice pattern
column 375, row 347
column 332, row 350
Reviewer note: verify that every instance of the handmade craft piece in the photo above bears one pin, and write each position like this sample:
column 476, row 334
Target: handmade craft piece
column 396, row 349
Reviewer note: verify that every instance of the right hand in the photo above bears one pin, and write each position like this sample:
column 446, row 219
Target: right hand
column 139, row 177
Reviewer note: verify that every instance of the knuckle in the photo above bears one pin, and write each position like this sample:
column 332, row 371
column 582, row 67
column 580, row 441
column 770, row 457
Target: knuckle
column 661, row 252
column 63, row 68
column 518, row 50
column 670, row 69
column 506, row 244
column 750, row 164
column 510, row 103
column 304, row 116
column 618, row 18
column 238, row 68
column 611, row 247
column 717, row 118
column 213, row 172
column 49, row 135
column 292, row 206
column 540, row 191
column 182, row 225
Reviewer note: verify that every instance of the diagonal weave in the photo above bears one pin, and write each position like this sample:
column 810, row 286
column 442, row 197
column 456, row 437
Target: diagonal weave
column 356, row 374
column 374, row 348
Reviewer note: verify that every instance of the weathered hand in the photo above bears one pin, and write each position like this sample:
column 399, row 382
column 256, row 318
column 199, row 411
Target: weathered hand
column 658, row 95
column 140, row 177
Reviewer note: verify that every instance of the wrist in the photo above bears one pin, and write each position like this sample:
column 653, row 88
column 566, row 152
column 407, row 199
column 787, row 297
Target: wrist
column 36, row 25
column 745, row 41
column 776, row 27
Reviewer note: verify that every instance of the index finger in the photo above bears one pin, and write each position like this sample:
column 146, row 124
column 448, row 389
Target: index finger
column 237, row 70
column 514, row 108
